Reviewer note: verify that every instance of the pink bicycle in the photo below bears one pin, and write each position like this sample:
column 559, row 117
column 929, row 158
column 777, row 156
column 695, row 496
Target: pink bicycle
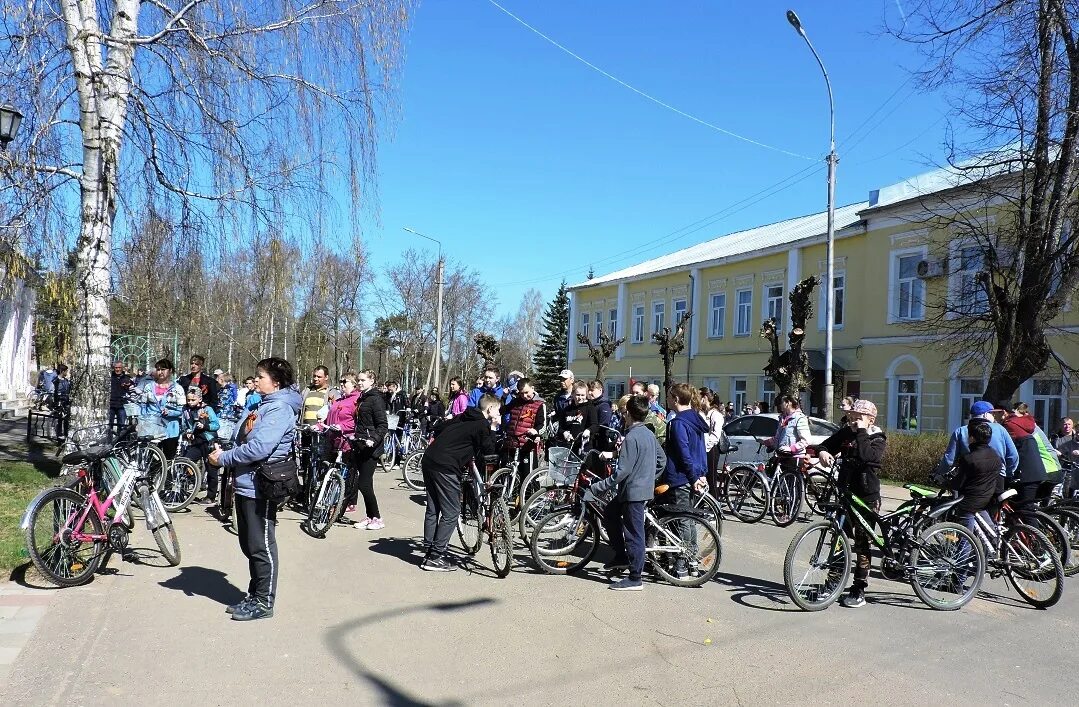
column 68, row 533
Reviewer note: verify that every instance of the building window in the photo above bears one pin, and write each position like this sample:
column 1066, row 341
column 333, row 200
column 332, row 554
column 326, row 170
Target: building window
column 745, row 312
column 738, row 394
column 615, row 390
column 907, row 404
column 586, row 319
column 773, row 300
column 768, row 393
column 679, row 310
column 840, row 287
column 638, row 323
column 718, row 314
column 968, row 296
column 1047, row 403
column 970, row 392
column 657, row 317
column 612, row 324
column 599, row 326
column 908, row 290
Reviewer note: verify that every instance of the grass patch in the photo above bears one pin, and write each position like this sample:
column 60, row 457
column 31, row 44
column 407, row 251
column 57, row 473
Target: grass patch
column 19, row 483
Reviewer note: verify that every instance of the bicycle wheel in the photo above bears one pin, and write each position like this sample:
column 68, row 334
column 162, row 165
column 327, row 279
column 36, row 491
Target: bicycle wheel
column 785, row 500
column 1032, row 566
column 470, row 521
column 539, row 505
column 389, row 452
column 1069, row 523
column 504, row 477
column 564, row 541
column 1057, row 536
column 684, row 549
column 327, row 506
column 501, row 538
column 64, row 561
column 165, row 537
column 536, row 481
column 819, row 491
column 152, row 460
column 707, row 505
column 412, row 471
column 817, row 566
column 181, row 484
column 745, row 492
column 947, row 566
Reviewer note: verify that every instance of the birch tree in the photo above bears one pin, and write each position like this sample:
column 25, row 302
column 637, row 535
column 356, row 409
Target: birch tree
column 221, row 112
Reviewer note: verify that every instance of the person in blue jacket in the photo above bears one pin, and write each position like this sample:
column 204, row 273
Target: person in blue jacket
column 199, row 425
column 1000, row 442
column 161, row 405
column 265, row 436
column 687, row 462
column 490, row 386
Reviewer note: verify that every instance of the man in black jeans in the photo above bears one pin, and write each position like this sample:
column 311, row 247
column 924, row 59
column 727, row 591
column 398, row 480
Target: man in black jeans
column 465, row 437
column 119, row 385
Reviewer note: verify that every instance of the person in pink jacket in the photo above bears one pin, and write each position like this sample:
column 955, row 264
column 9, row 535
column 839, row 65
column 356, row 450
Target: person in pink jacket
column 458, row 397
column 343, row 413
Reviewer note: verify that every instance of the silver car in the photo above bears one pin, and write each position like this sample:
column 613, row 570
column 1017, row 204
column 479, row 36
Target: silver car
column 745, row 430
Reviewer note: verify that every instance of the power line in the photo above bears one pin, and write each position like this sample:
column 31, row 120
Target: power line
column 646, row 95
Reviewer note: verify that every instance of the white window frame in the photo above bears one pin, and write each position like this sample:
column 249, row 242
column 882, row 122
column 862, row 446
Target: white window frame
column 904, row 426
column 1046, row 420
column 840, row 305
column 717, row 324
column 612, row 325
column 769, row 396
column 738, row 312
column 658, row 317
column 956, row 275
column 738, row 405
column 599, row 325
column 675, row 314
column 638, row 323
column 893, row 283
column 772, row 305
column 586, row 323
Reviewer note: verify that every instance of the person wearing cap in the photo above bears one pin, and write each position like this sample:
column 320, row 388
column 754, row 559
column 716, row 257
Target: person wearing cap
column 199, row 425
column 860, row 447
column 565, row 398
column 1001, row 442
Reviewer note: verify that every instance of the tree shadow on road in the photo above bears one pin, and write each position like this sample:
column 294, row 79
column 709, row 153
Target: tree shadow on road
column 205, row 582
column 391, row 694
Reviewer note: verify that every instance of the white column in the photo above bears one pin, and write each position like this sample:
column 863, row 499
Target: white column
column 794, row 274
column 694, row 306
column 622, row 317
column 572, row 334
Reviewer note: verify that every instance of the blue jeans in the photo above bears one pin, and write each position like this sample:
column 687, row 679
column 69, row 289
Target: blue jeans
column 117, row 419
column 624, row 523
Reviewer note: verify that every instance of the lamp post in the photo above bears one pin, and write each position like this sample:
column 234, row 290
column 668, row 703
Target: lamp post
column 10, row 120
column 436, row 359
column 832, row 159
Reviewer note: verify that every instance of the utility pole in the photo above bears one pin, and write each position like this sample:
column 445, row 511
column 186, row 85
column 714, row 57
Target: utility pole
column 440, row 278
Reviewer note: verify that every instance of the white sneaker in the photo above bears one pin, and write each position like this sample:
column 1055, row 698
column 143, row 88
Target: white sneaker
column 375, row 524
column 362, row 524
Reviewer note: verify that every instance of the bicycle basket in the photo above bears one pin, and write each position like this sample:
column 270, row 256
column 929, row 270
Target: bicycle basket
column 564, row 466
column 90, row 436
column 150, row 426
column 393, row 420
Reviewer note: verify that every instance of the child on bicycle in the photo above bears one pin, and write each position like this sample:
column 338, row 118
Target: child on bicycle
column 640, row 460
column 978, row 477
column 456, row 441
column 860, row 445
column 199, row 425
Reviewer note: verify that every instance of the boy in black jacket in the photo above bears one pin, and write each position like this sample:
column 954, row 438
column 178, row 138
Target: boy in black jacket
column 978, row 477
column 457, row 440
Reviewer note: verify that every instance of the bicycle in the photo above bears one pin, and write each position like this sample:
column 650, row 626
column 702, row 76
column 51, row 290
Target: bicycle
column 328, row 492
column 515, row 488
column 68, row 533
column 483, row 510
column 226, row 492
column 680, row 545
column 768, row 489
column 412, row 470
column 942, row 561
column 402, row 438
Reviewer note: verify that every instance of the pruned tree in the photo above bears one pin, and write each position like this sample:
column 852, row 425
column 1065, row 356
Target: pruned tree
column 215, row 111
column 601, row 351
column 487, row 348
column 1012, row 262
column 790, row 369
column 670, row 345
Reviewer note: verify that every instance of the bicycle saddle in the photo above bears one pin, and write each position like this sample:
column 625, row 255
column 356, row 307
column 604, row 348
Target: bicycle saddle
column 943, row 505
column 1006, row 495
column 490, row 458
column 93, row 454
column 917, row 491
column 662, row 489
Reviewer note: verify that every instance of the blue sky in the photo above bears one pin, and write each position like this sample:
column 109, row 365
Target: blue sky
column 534, row 167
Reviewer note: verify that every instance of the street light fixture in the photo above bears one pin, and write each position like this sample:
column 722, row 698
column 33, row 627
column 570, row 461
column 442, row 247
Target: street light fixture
column 436, row 359
column 832, row 159
column 10, row 119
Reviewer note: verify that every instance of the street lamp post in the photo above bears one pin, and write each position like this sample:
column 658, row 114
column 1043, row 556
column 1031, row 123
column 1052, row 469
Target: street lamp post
column 436, row 359
column 10, row 120
column 832, row 159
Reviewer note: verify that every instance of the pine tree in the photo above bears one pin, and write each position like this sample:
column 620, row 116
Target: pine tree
column 550, row 357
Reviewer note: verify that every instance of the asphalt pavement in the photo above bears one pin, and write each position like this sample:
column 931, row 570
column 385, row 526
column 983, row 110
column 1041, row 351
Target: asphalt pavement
column 357, row 622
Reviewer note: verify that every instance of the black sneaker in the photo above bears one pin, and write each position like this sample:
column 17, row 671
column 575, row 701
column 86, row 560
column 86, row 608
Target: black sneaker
column 627, row 585
column 854, row 598
column 438, row 564
column 233, row 608
column 252, row 610
column 681, row 571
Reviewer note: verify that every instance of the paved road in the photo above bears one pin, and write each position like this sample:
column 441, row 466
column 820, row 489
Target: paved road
column 358, row 623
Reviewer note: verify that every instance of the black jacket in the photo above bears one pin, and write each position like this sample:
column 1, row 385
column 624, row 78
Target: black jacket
column 436, row 409
column 859, row 463
column 977, row 479
column 396, row 402
column 457, row 441
column 211, row 391
column 575, row 419
column 118, row 387
column 370, row 420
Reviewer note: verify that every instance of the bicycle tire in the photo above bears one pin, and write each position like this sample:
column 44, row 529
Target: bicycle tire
column 947, row 553
column 702, row 557
column 470, row 521
column 64, row 565
column 1069, row 523
column 537, row 480
column 503, row 476
column 327, row 506
column 819, row 491
column 501, row 538
column 710, row 507
column 539, row 505
column 564, row 542
column 181, row 484
column 389, row 452
column 412, row 471
column 745, row 491
column 785, row 499
column 815, row 596
column 1052, row 530
column 165, row 537
column 1042, row 564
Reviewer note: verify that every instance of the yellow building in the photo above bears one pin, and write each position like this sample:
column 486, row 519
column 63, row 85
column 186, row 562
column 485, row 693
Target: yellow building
column 734, row 282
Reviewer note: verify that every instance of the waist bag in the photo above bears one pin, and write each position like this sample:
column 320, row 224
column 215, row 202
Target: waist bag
column 277, row 480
